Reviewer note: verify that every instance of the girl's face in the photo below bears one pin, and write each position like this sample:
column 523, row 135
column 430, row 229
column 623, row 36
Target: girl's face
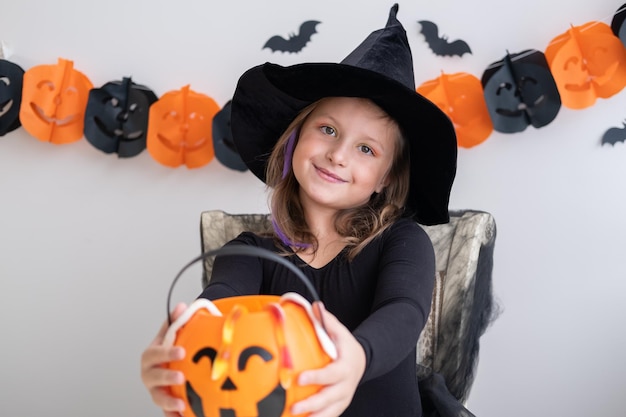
column 344, row 153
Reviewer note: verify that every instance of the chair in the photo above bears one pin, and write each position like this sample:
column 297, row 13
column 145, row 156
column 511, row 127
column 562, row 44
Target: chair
column 462, row 303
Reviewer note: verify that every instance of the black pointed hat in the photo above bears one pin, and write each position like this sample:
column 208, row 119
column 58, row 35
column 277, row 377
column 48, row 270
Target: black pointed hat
column 268, row 97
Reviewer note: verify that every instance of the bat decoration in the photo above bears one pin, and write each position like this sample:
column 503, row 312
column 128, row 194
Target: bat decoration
column 440, row 45
column 294, row 43
column 614, row 135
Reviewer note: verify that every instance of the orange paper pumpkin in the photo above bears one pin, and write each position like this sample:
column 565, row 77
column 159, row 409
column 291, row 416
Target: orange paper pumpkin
column 54, row 99
column 244, row 355
column 461, row 97
column 180, row 129
column 587, row 62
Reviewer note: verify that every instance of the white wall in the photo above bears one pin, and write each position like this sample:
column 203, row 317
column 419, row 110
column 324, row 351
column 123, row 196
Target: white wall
column 89, row 243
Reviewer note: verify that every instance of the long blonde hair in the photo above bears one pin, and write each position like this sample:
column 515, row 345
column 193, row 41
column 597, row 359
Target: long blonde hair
column 359, row 225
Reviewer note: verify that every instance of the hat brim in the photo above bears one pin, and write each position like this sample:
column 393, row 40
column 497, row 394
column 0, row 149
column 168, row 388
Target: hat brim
column 269, row 96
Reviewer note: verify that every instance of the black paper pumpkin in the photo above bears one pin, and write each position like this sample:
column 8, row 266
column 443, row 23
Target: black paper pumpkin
column 520, row 91
column 223, row 144
column 116, row 118
column 617, row 24
column 11, row 82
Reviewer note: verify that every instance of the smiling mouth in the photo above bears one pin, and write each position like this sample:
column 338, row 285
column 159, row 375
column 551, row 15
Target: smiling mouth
column 272, row 405
column 181, row 144
column 51, row 120
column 118, row 133
column 328, row 176
column 5, row 107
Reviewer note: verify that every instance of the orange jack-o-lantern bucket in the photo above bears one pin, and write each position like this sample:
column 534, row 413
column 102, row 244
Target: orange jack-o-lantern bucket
column 244, row 354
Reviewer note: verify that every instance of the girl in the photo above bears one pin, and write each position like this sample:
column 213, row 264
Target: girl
column 360, row 159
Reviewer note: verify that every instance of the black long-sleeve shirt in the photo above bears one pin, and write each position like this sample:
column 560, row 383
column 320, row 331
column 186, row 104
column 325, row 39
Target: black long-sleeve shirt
column 383, row 296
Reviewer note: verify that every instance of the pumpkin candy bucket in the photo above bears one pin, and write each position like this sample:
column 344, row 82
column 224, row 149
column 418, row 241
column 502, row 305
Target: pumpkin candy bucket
column 244, row 354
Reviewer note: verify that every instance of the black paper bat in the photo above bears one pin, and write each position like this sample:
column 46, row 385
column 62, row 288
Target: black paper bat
column 294, row 43
column 614, row 135
column 440, row 45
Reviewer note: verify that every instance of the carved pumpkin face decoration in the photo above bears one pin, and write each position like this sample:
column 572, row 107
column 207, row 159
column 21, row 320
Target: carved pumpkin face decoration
column 587, row 62
column 11, row 78
column 116, row 119
column 244, row 355
column 180, row 129
column 520, row 91
column 54, row 99
column 460, row 96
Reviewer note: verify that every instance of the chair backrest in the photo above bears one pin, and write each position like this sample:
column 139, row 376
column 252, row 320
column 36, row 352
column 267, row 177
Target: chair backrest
column 462, row 301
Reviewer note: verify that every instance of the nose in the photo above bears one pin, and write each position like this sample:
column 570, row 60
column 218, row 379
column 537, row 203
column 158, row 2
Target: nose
column 337, row 154
column 228, row 385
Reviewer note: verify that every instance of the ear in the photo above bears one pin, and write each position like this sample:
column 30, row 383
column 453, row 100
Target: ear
column 383, row 183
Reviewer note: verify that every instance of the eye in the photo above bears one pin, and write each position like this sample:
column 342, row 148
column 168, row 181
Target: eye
column 571, row 61
column 527, row 80
column 70, row 91
column 48, row 84
column 206, row 352
column 366, row 149
column 172, row 114
column 252, row 351
column 194, row 115
column 504, row 86
column 327, row 130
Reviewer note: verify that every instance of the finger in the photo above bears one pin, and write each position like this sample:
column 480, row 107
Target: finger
column 178, row 310
column 321, row 403
column 331, row 411
column 328, row 375
column 162, row 377
column 163, row 399
column 159, row 355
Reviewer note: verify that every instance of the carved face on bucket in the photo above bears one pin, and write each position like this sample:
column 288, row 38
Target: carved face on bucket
column 245, row 362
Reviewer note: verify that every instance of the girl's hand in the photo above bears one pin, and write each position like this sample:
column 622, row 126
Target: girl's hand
column 156, row 377
column 339, row 378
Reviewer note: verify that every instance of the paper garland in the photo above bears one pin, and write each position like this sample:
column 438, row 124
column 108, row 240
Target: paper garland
column 523, row 89
column 59, row 104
